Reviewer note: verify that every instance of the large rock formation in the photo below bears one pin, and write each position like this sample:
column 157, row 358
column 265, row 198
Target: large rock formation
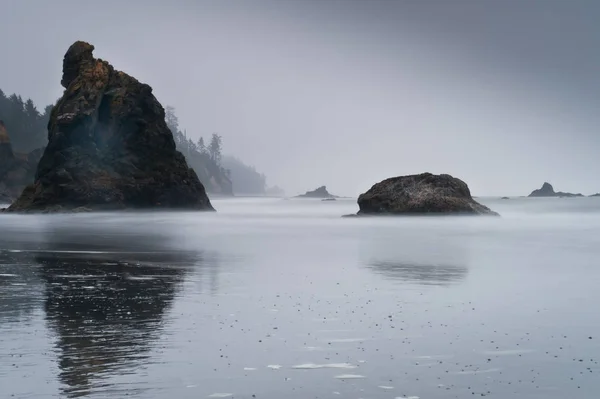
column 16, row 170
column 320, row 192
column 109, row 146
column 548, row 191
column 420, row 194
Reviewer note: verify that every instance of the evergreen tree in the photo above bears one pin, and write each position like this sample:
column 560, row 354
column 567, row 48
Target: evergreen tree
column 215, row 147
column 171, row 119
column 26, row 127
column 201, row 146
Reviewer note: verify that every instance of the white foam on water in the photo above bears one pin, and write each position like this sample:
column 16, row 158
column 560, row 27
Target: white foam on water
column 19, row 284
column 349, row 376
column 407, row 397
column 433, row 357
column 336, row 393
column 7, row 275
column 345, row 340
column 509, row 352
column 191, row 386
column 385, row 387
column 139, row 278
column 472, row 372
column 220, row 395
column 311, row 366
column 250, row 369
column 274, row 366
column 313, row 348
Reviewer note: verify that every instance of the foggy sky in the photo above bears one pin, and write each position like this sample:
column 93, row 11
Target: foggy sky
column 503, row 94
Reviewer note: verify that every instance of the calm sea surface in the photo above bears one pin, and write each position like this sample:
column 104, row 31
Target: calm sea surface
column 272, row 298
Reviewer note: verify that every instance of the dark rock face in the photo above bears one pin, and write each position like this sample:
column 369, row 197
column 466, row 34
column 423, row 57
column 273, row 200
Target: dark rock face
column 109, row 146
column 320, row 192
column 548, row 191
column 16, row 170
column 595, row 195
column 420, row 194
column 545, row 191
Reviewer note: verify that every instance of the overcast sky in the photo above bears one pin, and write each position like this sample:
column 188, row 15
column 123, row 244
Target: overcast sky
column 504, row 94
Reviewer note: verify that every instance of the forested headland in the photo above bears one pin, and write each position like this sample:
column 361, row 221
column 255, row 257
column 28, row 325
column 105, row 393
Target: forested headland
column 220, row 174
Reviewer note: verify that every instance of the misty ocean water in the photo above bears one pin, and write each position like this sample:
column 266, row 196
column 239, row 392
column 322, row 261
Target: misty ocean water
column 274, row 298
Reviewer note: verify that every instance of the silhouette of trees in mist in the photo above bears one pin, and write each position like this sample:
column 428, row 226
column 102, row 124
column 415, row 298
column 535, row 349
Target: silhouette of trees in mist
column 27, row 127
column 209, row 162
column 28, row 130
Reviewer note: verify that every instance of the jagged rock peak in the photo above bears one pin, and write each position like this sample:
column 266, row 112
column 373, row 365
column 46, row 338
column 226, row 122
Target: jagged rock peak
column 109, row 146
column 77, row 56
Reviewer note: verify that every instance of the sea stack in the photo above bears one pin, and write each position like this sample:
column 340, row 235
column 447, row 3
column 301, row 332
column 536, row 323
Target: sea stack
column 320, row 192
column 548, row 191
column 423, row 194
column 109, row 147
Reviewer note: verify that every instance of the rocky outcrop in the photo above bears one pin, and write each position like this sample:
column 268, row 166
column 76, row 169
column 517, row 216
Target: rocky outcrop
column 595, row 195
column 548, row 191
column 109, row 146
column 16, row 170
column 320, row 192
column 421, row 194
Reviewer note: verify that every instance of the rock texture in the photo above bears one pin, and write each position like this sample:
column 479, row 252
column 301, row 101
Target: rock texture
column 109, row 146
column 16, row 170
column 320, row 192
column 425, row 193
column 548, row 191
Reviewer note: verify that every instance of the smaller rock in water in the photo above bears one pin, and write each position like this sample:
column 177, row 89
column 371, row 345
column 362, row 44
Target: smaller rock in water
column 421, row 194
column 548, row 191
column 320, row 192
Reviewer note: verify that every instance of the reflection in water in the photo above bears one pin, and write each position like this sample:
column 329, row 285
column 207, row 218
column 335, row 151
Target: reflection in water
column 106, row 295
column 19, row 287
column 432, row 274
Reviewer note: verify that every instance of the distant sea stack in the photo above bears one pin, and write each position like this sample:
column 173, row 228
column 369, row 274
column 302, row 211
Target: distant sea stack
column 16, row 170
column 548, row 191
column 423, row 194
column 109, row 147
column 320, row 192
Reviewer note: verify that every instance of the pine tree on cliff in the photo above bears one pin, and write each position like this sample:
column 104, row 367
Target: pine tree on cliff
column 215, row 147
column 201, row 146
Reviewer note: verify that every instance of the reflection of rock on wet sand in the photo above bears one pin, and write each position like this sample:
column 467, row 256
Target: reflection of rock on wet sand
column 107, row 307
column 434, row 274
column 420, row 251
